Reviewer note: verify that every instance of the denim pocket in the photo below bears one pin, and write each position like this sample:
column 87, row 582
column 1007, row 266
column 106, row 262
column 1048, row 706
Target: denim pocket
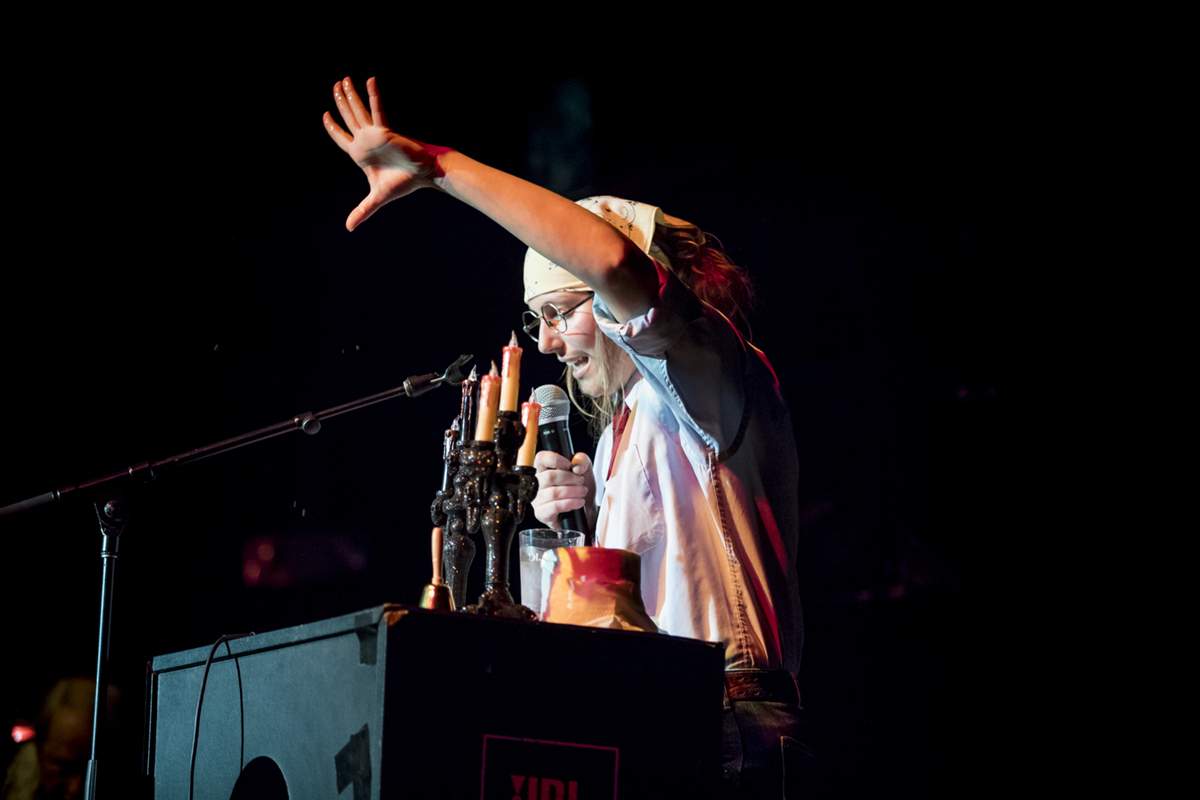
column 797, row 767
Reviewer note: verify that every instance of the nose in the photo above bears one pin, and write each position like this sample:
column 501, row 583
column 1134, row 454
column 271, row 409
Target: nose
column 549, row 341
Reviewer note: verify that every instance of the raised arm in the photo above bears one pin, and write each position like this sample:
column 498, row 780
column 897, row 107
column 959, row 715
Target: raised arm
column 570, row 236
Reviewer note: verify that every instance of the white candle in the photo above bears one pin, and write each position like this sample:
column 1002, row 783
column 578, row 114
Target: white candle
column 489, row 401
column 510, row 370
column 530, row 412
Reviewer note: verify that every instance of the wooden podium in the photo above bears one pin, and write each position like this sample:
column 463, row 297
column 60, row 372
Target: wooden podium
column 399, row 702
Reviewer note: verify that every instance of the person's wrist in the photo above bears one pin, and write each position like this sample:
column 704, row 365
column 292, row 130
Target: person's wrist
column 444, row 162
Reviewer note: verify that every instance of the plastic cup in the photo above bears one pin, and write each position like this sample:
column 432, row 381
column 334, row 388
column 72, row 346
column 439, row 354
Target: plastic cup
column 535, row 543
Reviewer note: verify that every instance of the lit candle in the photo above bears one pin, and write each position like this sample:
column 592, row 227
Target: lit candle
column 530, row 413
column 511, row 371
column 489, row 401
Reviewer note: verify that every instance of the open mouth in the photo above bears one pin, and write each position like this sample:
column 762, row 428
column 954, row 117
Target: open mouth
column 580, row 366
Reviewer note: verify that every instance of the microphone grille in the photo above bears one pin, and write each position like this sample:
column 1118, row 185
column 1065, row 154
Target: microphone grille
column 556, row 406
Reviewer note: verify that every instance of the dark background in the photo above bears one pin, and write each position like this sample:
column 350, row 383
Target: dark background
column 187, row 277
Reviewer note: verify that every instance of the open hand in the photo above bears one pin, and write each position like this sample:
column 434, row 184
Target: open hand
column 394, row 165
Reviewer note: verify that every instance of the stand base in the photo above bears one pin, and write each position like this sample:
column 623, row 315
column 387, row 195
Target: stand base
column 499, row 603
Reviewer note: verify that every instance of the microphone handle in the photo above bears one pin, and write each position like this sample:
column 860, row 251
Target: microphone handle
column 556, row 437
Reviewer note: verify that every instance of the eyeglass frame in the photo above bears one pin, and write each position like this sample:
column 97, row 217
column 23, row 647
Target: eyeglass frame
column 535, row 319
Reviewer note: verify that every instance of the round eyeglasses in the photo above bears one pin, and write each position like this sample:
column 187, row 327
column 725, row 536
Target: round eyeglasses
column 554, row 317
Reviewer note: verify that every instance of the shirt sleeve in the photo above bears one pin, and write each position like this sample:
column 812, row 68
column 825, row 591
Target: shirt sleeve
column 690, row 354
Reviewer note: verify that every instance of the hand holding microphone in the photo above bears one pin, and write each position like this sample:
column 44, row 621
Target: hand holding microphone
column 565, row 481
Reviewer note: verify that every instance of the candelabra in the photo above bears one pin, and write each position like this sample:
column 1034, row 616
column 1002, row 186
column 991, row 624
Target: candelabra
column 483, row 491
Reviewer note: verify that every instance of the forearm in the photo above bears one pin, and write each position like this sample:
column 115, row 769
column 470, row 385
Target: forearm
column 570, row 236
column 579, row 242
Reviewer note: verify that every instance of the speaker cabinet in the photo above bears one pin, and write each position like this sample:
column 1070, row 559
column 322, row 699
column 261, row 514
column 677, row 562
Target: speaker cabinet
column 399, row 702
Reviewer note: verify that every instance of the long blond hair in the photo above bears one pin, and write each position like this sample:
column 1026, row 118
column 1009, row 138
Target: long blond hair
column 607, row 359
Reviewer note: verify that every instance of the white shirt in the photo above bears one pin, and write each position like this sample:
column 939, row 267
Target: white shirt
column 704, row 485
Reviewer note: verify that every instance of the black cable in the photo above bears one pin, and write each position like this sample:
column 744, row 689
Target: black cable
column 237, row 665
column 226, row 639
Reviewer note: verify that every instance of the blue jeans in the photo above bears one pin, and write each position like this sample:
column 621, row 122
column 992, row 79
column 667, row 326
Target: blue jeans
column 763, row 754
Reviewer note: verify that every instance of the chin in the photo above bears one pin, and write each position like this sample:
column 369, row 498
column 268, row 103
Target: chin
column 587, row 387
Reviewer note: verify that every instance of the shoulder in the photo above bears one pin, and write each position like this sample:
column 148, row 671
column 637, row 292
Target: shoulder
column 690, row 356
column 663, row 327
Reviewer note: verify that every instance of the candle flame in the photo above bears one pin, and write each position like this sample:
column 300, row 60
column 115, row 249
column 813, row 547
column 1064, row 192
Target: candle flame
column 513, row 341
column 495, row 372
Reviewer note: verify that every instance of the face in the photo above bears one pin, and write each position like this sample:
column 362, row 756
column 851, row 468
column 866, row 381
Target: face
column 577, row 347
column 63, row 756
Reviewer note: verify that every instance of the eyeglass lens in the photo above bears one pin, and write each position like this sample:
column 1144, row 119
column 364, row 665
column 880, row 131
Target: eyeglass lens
column 556, row 320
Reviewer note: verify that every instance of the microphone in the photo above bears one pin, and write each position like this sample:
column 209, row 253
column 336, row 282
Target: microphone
column 555, row 435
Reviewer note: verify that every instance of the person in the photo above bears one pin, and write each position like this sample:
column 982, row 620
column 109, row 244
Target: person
column 696, row 468
column 54, row 763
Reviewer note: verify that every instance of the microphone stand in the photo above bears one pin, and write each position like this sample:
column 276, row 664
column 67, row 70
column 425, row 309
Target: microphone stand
column 112, row 511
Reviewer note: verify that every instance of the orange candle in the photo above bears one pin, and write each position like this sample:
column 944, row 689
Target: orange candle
column 510, row 370
column 489, row 401
column 530, row 412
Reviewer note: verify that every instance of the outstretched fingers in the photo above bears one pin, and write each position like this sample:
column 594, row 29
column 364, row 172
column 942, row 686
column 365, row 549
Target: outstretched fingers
column 344, row 109
column 394, row 166
column 355, row 116
column 362, row 116
column 335, row 131
column 376, row 104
